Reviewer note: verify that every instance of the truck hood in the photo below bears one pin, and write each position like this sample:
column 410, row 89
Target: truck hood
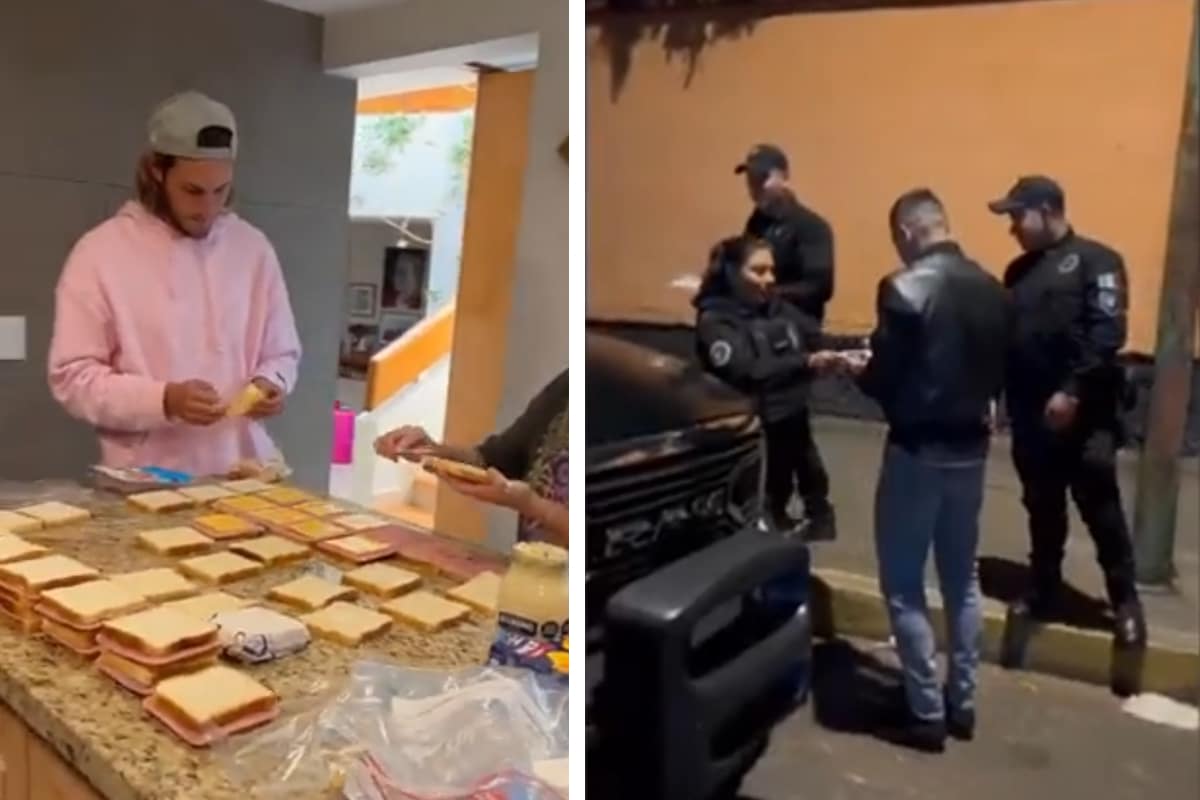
column 634, row 391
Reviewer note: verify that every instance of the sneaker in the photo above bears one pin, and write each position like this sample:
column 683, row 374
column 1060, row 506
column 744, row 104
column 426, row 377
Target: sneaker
column 925, row 735
column 960, row 723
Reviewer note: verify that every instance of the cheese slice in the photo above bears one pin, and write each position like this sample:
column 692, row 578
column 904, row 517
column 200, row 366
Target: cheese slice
column 244, row 504
column 208, row 605
column 382, row 580
column 157, row 585
column 226, row 526
column 12, row 522
column 48, row 572
column 481, row 593
column 287, row 496
column 206, row 493
column 246, row 400
column 315, row 530
column 279, row 517
column 347, row 623
column 425, row 610
column 220, row 567
column 361, row 522
column 246, row 486
column 14, row 548
column 55, row 513
column 310, row 592
column 270, row 549
column 175, row 541
column 161, row 501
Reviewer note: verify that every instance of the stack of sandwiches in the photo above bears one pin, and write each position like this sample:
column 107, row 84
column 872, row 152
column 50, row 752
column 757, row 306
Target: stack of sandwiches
column 206, row 705
column 72, row 615
column 23, row 582
column 139, row 650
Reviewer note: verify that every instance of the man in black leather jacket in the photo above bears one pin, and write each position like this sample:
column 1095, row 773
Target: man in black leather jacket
column 936, row 366
column 1064, row 393
column 802, row 243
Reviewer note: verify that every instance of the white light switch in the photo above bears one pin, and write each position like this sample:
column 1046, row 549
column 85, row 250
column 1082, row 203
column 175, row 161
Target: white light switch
column 12, row 338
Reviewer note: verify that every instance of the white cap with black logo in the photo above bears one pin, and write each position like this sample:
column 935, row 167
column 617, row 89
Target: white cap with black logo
column 191, row 125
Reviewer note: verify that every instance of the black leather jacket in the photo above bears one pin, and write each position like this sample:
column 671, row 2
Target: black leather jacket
column 938, row 352
column 761, row 350
column 802, row 242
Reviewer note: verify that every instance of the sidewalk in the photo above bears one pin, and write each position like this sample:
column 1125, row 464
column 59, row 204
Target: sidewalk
column 851, row 451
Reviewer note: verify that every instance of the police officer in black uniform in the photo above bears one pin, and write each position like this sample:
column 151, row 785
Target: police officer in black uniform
column 802, row 243
column 1064, row 395
column 761, row 345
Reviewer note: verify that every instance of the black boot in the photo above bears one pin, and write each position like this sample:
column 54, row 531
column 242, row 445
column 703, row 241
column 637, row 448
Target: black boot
column 819, row 526
column 1042, row 602
column 1129, row 628
column 928, row 736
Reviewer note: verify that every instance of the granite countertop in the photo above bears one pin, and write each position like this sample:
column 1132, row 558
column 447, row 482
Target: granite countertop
column 101, row 729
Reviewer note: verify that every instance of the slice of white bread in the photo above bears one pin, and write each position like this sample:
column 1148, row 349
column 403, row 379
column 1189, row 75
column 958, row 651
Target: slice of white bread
column 208, row 605
column 55, row 513
column 14, row 548
column 226, row 526
column 246, row 486
column 361, row 522
column 220, row 568
column 159, row 631
column 243, row 504
column 287, row 496
column 160, row 501
column 425, row 610
column 347, row 623
column 356, row 545
column 382, row 580
column 150, row 674
column 310, row 592
column 89, row 603
column 48, row 572
column 271, row 549
column 205, row 493
column 481, row 593
column 321, row 508
column 12, row 522
column 181, row 541
column 213, row 697
column 157, row 585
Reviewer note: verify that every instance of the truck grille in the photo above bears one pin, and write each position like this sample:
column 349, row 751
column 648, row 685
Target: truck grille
column 675, row 494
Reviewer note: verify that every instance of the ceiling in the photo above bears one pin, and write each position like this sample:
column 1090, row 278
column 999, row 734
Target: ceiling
column 326, row 7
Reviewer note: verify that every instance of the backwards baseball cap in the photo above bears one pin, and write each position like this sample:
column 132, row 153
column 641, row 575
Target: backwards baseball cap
column 1030, row 192
column 761, row 159
column 190, row 125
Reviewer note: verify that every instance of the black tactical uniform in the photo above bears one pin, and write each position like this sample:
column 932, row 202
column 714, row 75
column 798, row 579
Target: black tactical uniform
column 762, row 350
column 1069, row 321
column 802, row 243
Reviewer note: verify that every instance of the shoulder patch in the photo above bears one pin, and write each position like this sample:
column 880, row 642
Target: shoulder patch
column 1107, row 281
column 1108, row 302
column 1068, row 264
column 720, row 352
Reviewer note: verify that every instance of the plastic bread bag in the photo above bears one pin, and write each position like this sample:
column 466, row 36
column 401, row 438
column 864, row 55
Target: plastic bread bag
column 393, row 733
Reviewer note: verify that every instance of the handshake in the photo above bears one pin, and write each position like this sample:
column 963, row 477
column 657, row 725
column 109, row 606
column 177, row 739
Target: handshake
column 839, row 362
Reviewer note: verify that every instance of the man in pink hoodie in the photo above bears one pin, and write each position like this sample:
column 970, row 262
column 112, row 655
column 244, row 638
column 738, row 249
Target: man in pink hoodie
column 166, row 311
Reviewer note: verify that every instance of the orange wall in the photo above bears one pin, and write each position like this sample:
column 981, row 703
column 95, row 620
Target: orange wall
column 871, row 103
column 484, row 301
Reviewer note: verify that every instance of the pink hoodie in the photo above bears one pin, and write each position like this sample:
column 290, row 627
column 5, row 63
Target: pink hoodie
column 138, row 306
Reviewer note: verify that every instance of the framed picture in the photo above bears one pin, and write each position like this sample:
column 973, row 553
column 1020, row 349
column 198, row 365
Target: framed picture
column 360, row 298
column 405, row 275
column 394, row 324
column 359, row 342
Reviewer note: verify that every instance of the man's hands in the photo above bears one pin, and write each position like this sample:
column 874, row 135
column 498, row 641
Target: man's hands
column 848, row 362
column 271, row 403
column 194, row 402
column 409, row 442
column 1060, row 411
column 497, row 491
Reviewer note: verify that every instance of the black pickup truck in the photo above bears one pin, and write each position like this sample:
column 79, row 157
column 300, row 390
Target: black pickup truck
column 692, row 650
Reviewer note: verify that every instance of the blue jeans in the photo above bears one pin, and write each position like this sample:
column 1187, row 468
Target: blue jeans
column 920, row 502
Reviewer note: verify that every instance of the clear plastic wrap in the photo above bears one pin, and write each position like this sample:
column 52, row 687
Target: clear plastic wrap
column 391, row 733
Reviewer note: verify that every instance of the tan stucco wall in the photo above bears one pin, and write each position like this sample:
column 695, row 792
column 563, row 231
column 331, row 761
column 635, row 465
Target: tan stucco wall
column 869, row 104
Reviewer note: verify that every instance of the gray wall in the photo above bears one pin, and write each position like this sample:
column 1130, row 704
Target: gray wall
column 77, row 80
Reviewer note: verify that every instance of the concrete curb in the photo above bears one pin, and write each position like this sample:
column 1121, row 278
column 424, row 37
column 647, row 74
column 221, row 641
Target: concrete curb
column 851, row 605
